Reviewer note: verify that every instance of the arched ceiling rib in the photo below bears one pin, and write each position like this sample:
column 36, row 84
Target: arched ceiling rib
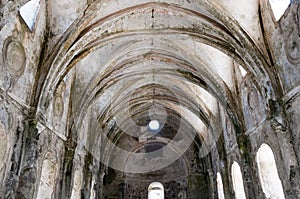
column 142, row 77
column 205, row 31
column 142, row 63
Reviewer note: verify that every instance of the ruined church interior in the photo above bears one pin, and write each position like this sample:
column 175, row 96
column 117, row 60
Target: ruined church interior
column 150, row 99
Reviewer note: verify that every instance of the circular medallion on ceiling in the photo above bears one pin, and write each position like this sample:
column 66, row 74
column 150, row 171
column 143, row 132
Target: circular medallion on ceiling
column 58, row 106
column 228, row 126
column 7, row 120
column 7, row 83
column 292, row 48
column 253, row 99
column 14, row 57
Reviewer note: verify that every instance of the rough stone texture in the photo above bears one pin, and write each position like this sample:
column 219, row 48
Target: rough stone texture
column 78, row 91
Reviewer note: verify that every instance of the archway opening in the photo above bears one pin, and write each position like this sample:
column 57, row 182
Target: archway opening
column 47, row 180
column 220, row 186
column 156, row 191
column 237, row 180
column 268, row 175
column 154, row 125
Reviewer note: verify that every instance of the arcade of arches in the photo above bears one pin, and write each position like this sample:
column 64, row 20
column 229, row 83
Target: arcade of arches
column 100, row 98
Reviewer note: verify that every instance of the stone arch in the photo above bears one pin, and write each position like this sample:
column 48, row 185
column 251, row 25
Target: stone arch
column 74, row 52
column 268, row 174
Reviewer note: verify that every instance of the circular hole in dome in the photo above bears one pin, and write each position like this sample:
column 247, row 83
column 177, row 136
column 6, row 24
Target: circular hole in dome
column 154, row 125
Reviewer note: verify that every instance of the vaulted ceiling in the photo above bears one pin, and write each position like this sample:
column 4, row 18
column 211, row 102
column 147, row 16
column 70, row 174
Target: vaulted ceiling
column 122, row 64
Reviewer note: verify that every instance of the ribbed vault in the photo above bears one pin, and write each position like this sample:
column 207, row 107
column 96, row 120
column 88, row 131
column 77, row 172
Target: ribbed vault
column 176, row 59
column 101, row 98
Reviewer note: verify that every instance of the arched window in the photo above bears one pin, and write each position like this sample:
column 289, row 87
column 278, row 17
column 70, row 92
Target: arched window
column 237, row 179
column 268, row 175
column 279, row 7
column 3, row 147
column 156, row 191
column 47, row 181
column 77, row 184
column 220, row 186
column 29, row 12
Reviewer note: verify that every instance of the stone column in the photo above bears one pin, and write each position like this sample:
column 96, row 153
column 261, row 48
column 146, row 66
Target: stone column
column 28, row 173
column 212, row 184
column 101, row 177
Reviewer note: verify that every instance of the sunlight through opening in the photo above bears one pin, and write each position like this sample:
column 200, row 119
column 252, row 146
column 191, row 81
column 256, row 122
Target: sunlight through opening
column 279, row 7
column 154, row 125
column 237, row 179
column 220, row 187
column 268, row 175
column 156, row 191
column 243, row 71
column 29, row 12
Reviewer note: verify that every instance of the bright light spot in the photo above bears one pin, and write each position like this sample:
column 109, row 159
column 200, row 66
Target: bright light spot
column 29, row 12
column 154, row 125
column 220, row 186
column 156, row 191
column 279, row 7
column 243, row 71
column 268, row 174
column 237, row 180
